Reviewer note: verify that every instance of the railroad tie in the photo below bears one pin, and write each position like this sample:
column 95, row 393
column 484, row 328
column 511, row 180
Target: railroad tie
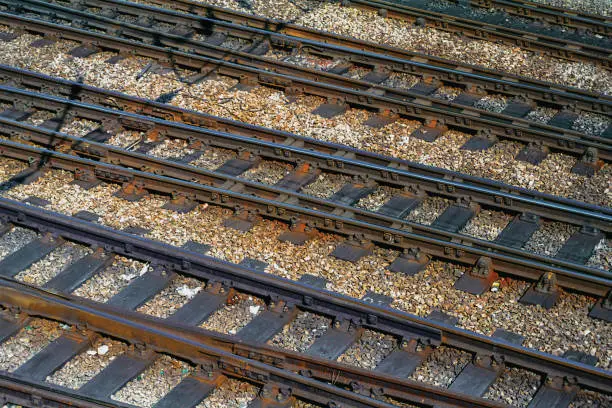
column 477, row 376
column 189, row 392
column 201, row 306
column 456, row 216
column 237, row 166
column 518, row 231
column 349, row 194
column 302, row 176
column 142, row 289
column 482, row 140
column 602, row 310
column 31, row 253
column 54, row 356
column 400, row 205
column 15, row 114
column 10, row 326
column 331, row 109
column 353, row 249
column 533, row 153
column 267, row 323
column 335, row 341
column 404, row 360
column 430, row 131
column 80, row 271
column 553, row 393
column 580, row 246
column 519, row 107
column 545, row 292
column 117, row 374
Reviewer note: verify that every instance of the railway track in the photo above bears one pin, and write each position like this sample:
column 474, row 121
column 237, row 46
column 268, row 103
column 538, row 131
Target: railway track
column 545, row 15
column 252, row 36
column 487, row 127
column 388, row 226
column 289, row 146
column 449, row 73
column 245, row 355
column 550, row 14
column 493, row 31
column 166, row 325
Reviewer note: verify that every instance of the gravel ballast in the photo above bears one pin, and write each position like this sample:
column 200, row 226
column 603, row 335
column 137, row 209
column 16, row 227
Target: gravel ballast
column 419, row 294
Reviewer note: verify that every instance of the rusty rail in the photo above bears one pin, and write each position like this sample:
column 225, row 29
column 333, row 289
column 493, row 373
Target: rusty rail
column 193, row 344
column 271, row 203
column 337, row 88
column 555, row 47
column 451, row 73
column 551, row 14
column 262, row 145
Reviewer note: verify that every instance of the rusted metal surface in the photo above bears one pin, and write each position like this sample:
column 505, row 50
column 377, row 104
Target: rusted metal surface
column 188, row 342
column 551, row 14
column 452, row 73
column 254, row 198
column 223, row 354
column 356, row 93
column 333, row 157
column 553, row 46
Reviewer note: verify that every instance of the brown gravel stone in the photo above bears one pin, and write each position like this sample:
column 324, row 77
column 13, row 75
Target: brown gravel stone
column 487, row 224
column 597, row 7
column 15, row 239
column 352, row 21
column 126, row 139
column 326, row 185
column 213, row 158
column 564, row 327
column 8, row 168
column 79, row 127
column 104, row 285
column 602, row 255
column 369, row 350
column 514, row 387
column 267, row 107
column 376, row 200
column 27, row 342
column 39, row 117
column 230, row 394
column 88, row 364
column 155, row 382
column 178, row 293
column 429, row 209
column 302, row 332
column 268, row 172
column 239, row 311
column 171, row 149
column 442, row 366
column 590, row 399
column 42, row 271
column 549, row 238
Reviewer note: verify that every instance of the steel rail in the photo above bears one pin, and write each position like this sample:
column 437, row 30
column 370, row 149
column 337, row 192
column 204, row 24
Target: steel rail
column 324, row 302
column 378, row 61
column 474, row 29
column 121, row 157
column 284, row 77
column 220, row 354
column 29, row 393
column 285, row 146
column 115, row 155
column 269, row 202
column 226, row 355
column 551, row 14
column 452, row 73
